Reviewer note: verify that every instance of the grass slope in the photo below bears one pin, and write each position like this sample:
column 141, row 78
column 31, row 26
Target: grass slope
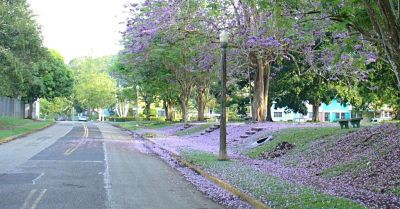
column 301, row 137
column 365, row 159
column 276, row 192
column 10, row 127
column 193, row 130
column 136, row 125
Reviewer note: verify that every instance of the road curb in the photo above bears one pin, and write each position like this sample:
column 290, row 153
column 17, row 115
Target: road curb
column 245, row 197
column 12, row 138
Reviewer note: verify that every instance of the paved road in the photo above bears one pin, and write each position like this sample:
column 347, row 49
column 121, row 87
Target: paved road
column 90, row 166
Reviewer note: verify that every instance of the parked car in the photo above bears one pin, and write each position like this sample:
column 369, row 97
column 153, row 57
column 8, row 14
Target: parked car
column 60, row 118
column 83, row 118
column 378, row 120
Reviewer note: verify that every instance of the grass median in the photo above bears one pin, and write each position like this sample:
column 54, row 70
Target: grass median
column 137, row 125
column 13, row 127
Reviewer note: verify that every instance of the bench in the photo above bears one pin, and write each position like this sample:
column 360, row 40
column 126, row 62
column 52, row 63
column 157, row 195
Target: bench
column 299, row 120
column 355, row 122
column 344, row 123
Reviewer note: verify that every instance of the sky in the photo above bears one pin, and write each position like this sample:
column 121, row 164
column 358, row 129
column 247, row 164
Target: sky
column 77, row 28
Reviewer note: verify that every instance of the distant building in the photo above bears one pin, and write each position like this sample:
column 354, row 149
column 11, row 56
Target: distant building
column 326, row 113
column 384, row 112
column 35, row 109
column 335, row 111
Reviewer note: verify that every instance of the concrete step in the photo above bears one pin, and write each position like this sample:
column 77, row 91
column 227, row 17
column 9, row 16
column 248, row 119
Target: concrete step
column 257, row 129
column 209, row 130
column 251, row 132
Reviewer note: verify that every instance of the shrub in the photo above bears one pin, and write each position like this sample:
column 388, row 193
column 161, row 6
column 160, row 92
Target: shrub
column 121, row 119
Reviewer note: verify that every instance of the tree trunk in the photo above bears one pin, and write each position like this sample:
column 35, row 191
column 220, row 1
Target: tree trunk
column 201, row 103
column 184, row 108
column 267, row 102
column 147, row 108
column 126, row 109
column 261, row 89
column 259, row 93
column 30, row 111
column 315, row 110
column 396, row 70
column 168, row 110
column 118, row 109
column 269, row 113
column 165, row 106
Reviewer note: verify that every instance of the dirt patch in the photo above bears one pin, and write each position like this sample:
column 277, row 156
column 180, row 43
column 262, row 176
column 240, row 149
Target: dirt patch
column 279, row 150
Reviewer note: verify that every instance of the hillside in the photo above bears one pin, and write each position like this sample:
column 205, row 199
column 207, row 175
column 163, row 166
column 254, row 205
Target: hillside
column 367, row 159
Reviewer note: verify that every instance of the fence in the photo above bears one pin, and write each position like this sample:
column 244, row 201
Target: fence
column 12, row 107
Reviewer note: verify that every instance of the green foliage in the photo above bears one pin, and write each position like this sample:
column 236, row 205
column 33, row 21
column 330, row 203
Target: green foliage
column 94, row 88
column 395, row 191
column 20, row 47
column 55, row 107
column 301, row 137
column 52, row 79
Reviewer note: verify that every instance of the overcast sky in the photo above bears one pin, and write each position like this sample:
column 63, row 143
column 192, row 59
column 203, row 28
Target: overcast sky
column 78, row 28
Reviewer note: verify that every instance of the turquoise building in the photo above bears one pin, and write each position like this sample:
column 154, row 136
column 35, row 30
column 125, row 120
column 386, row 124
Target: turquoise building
column 326, row 113
column 334, row 111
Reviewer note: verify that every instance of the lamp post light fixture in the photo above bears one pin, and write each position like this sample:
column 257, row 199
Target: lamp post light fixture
column 224, row 36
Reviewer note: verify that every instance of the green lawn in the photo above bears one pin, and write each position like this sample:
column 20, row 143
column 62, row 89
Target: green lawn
column 395, row 191
column 136, row 125
column 10, row 127
column 276, row 192
column 301, row 137
column 194, row 130
column 340, row 169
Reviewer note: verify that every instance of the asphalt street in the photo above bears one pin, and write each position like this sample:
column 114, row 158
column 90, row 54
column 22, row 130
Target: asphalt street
column 91, row 166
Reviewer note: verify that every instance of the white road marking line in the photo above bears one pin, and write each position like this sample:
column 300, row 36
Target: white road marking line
column 107, row 181
column 38, row 199
column 87, row 131
column 28, row 199
column 37, row 178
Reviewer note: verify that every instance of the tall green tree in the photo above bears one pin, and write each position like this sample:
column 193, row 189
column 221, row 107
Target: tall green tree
column 94, row 87
column 51, row 78
column 20, row 47
column 378, row 21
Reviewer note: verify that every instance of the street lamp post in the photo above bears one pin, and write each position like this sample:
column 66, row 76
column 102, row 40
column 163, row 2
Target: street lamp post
column 222, row 137
column 137, row 103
